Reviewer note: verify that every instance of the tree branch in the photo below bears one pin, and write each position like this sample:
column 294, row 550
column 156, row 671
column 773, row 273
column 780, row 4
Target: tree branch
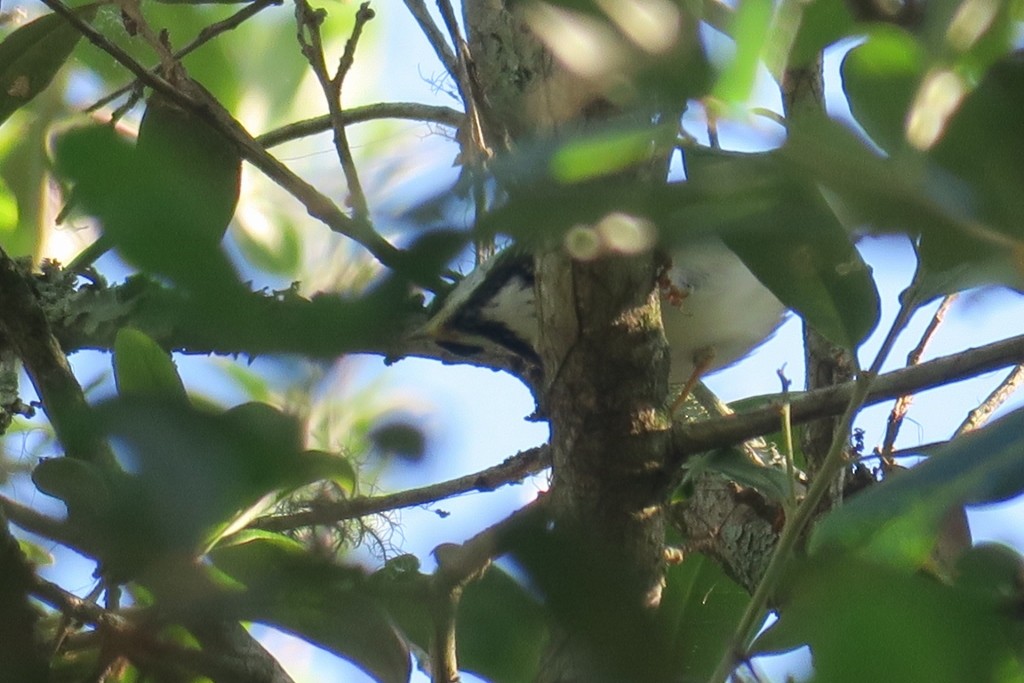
column 688, row 439
column 513, row 469
column 903, row 403
column 977, row 417
column 311, row 43
column 412, row 111
column 25, row 327
column 434, row 36
column 207, row 34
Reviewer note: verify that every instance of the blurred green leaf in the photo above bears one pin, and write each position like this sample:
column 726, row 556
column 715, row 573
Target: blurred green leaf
column 83, row 486
column 984, row 145
column 399, row 439
column 606, row 152
column 822, row 23
column 909, row 195
column 35, row 553
column 324, row 466
column 33, row 54
column 190, row 475
column 866, row 622
column 501, row 629
column 153, row 220
column 897, row 522
column 282, row 257
column 995, row 572
column 322, row 602
column 8, row 211
column 791, row 240
column 880, row 77
column 750, row 31
column 143, row 368
column 700, row 608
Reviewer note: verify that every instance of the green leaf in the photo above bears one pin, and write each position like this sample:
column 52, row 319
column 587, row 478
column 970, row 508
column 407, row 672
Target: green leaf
column 897, row 522
column 822, row 23
column 150, row 216
column 324, row 603
column 984, row 145
column 82, row 486
column 32, row 55
column 880, row 77
column 8, row 211
column 857, row 618
column 750, row 31
column 192, row 474
column 324, row 466
column 606, row 152
column 143, row 368
column 501, row 629
column 191, row 168
column 700, row 608
column 785, row 232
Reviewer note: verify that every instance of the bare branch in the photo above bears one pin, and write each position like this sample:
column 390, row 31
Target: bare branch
column 703, row 436
column 434, row 36
column 980, row 415
column 412, row 111
column 513, row 469
column 311, row 42
column 457, row 566
column 38, row 523
column 903, row 403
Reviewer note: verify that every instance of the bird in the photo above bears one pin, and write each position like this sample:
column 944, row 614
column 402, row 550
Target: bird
column 714, row 310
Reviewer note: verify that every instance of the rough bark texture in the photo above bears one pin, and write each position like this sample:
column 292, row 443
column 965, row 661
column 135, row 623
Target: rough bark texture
column 605, row 357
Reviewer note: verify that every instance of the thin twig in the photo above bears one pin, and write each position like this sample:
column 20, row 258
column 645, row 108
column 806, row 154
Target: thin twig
column 311, row 43
column 513, row 469
column 412, row 111
column 434, row 36
column 903, row 403
column 980, row 415
column 207, row 34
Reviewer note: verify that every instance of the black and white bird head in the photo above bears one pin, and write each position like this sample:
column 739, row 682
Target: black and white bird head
column 491, row 309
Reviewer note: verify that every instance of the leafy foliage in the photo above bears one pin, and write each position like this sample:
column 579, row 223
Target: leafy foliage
column 186, row 516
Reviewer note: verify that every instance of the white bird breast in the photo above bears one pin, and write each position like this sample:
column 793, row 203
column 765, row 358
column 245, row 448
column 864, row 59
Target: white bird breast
column 713, row 309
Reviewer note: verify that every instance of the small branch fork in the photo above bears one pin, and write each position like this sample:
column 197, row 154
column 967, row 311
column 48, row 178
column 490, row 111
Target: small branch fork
column 903, row 403
column 309, row 22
